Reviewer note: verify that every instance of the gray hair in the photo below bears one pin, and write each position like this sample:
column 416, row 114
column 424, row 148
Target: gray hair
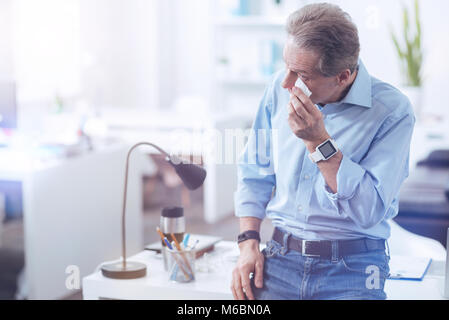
column 328, row 31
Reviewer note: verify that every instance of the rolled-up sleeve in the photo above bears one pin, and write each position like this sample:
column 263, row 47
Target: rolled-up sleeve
column 366, row 190
column 256, row 177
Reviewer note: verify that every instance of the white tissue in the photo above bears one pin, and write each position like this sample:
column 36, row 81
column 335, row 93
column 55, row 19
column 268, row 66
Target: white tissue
column 301, row 85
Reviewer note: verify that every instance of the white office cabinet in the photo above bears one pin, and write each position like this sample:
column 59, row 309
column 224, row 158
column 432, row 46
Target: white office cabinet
column 72, row 218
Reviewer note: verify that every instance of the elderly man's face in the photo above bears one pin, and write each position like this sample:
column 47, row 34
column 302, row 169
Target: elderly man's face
column 301, row 63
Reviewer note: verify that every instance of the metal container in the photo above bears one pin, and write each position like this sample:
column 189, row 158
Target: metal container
column 172, row 222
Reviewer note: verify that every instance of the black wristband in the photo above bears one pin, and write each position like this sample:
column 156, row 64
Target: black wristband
column 249, row 234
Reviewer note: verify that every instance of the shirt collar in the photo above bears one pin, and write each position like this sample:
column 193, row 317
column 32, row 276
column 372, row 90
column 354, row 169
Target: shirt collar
column 360, row 92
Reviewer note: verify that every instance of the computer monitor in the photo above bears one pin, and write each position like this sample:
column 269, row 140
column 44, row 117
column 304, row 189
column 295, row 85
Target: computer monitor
column 8, row 106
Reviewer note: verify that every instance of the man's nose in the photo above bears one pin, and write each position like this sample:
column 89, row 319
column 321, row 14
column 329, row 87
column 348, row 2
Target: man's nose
column 289, row 80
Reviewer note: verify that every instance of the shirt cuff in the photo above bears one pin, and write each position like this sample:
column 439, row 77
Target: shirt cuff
column 247, row 205
column 349, row 176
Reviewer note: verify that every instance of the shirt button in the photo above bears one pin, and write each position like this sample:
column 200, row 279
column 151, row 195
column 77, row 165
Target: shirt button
column 300, row 208
column 307, row 177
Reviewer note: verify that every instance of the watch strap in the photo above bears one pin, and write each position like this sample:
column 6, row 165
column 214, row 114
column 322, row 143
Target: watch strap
column 247, row 235
column 316, row 156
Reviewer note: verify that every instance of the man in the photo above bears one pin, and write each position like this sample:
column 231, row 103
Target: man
column 330, row 204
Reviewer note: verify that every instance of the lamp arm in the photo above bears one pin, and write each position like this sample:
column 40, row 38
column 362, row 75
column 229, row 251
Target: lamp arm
column 126, row 191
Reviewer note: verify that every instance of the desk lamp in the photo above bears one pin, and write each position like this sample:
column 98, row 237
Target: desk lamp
column 191, row 175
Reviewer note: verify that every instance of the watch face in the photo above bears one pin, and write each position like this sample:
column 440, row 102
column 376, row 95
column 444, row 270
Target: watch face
column 327, row 149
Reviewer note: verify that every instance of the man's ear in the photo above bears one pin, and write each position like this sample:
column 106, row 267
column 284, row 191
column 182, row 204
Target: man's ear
column 344, row 77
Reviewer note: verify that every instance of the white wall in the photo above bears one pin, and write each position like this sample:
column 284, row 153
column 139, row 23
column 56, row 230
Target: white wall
column 103, row 50
column 98, row 52
column 184, row 49
column 119, row 52
column 6, row 45
column 46, row 48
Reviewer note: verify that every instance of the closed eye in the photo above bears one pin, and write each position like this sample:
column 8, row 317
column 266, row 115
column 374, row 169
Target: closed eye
column 303, row 78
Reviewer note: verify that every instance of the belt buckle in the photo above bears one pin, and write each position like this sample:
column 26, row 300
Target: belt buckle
column 303, row 250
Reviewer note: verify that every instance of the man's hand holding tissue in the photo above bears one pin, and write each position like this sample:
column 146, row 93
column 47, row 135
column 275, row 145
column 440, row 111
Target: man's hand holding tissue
column 305, row 120
column 307, row 123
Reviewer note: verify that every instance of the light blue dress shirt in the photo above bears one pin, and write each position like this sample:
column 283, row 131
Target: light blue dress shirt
column 372, row 126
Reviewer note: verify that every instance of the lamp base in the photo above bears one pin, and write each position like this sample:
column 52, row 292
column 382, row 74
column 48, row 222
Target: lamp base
column 133, row 270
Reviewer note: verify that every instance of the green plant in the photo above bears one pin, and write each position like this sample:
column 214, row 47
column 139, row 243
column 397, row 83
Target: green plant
column 59, row 102
column 411, row 54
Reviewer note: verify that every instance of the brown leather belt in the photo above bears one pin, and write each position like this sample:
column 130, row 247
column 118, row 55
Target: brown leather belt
column 323, row 248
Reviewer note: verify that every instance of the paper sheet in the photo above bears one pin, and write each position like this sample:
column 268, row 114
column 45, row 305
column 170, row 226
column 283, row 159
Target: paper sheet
column 408, row 268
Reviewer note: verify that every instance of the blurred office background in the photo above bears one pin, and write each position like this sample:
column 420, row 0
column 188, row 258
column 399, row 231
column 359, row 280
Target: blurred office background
column 83, row 80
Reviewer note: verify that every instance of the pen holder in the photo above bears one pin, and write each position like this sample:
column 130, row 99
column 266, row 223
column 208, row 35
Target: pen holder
column 181, row 265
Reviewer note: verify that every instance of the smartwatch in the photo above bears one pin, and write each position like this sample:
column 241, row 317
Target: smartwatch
column 324, row 151
column 250, row 234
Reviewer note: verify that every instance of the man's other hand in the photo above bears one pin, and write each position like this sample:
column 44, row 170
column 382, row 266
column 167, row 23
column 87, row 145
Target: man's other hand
column 251, row 260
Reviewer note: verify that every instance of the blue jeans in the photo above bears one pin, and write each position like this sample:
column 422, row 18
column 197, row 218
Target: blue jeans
column 288, row 275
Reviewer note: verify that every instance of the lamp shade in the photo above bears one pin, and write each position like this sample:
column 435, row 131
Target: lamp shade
column 191, row 175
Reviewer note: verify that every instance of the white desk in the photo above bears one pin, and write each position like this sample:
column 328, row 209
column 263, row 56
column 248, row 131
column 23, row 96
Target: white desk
column 215, row 285
column 156, row 285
